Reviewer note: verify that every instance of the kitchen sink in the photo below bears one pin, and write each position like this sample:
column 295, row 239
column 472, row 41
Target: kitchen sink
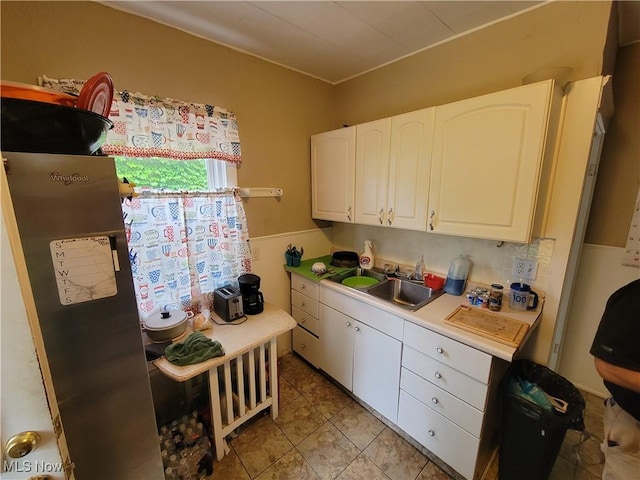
column 402, row 292
column 359, row 272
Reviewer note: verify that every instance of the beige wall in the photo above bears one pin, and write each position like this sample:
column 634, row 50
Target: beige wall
column 571, row 34
column 619, row 172
column 277, row 109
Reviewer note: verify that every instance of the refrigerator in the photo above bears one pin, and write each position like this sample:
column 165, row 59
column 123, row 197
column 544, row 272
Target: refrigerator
column 69, row 217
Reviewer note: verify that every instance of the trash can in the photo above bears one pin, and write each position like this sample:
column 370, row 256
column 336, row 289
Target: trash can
column 531, row 432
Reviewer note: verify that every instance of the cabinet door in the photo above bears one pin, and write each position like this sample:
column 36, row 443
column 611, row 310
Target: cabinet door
column 372, row 171
column 376, row 369
column 486, row 163
column 336, row 341
column 332, row 174
column 409, row 168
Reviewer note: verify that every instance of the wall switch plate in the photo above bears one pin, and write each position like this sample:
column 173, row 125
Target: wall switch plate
column 525, row 269
column 255, row 254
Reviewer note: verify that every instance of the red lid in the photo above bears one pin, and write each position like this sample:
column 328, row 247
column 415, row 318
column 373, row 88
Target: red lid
column 96, row 94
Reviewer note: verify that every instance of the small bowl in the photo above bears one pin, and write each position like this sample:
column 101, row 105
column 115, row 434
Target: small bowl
column 433, row 281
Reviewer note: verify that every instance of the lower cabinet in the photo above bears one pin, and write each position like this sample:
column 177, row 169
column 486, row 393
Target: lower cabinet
column 363, row 359
column 455, row 446
column 448, row 399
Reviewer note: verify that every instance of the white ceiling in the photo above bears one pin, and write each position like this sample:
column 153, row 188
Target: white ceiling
column 332, row 41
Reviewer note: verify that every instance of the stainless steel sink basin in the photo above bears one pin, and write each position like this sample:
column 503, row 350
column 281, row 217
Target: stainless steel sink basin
column 398, row 291
column 404, row 293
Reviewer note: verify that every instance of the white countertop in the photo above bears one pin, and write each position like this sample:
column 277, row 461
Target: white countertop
column 432, row 316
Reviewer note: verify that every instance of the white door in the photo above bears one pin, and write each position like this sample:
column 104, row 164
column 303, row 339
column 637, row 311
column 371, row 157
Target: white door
column 24, row 405
column 336, row 340
column 376, row 369
column 409, row 169
column 333, row 156
column 487, row 158
column 372, row 171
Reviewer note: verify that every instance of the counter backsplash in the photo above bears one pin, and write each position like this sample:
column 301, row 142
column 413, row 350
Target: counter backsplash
column 490, row 263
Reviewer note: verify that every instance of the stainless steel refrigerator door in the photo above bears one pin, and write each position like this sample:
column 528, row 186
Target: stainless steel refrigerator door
column 94, row 347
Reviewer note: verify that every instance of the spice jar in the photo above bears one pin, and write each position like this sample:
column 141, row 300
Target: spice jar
column 495, row 297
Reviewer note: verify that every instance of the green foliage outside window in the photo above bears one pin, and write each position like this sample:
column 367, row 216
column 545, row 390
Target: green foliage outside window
column 164, row 173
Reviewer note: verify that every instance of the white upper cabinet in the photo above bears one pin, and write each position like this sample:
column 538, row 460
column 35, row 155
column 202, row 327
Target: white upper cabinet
column 487, row 162
column 332, row 174
column 372, row 171
column 392, row 170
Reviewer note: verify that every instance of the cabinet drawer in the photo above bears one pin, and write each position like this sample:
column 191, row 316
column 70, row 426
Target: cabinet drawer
column 373, row 316
column 444, row 403
column 449, row 379
column 304, row 303
column 305, row 320
column 468, row 360
column 307, row 346
column 452, row 444
column 304, row 285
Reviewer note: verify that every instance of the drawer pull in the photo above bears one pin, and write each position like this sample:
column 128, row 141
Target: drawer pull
column 348, row 324
column 357, row 329
column 438, row 375
column 302, row 287
column 302, row 304
column 431, row 433
column 303, row 346
column 302, row 320
column 435, row 400
column 439, row 350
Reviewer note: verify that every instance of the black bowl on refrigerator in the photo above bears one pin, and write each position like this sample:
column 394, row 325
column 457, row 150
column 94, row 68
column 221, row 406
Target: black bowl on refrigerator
column 41, row 127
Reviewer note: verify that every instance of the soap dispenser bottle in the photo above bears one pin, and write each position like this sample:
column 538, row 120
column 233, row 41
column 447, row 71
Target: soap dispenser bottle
column 457, row 275
column 366, row 258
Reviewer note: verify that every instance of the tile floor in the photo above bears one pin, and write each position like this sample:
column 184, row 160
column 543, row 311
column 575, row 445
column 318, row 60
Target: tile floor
column 323, row 433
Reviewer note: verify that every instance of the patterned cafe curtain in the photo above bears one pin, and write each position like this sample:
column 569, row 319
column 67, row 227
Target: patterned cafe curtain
column 183, row 246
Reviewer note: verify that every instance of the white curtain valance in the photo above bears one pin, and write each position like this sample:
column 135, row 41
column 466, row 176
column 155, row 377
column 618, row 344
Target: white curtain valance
column 147, row 126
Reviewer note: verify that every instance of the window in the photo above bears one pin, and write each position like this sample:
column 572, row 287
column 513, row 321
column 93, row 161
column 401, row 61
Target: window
column 202, row 175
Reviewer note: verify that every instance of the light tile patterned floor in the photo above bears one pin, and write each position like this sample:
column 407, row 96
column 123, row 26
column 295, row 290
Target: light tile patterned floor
column 322, row 433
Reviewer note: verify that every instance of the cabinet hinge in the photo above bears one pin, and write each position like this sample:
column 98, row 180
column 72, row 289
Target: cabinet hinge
column 68, row 467
column 57, row 426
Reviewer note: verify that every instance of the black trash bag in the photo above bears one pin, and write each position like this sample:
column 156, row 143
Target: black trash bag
column 554, row 385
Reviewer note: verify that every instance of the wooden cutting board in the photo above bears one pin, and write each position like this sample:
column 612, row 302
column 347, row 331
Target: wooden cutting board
column 489, row 325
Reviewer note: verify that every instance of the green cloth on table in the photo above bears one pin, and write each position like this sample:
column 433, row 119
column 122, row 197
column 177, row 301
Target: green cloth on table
column 195, row 349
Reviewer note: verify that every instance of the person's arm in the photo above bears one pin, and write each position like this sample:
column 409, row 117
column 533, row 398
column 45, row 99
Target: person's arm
column 620, row 376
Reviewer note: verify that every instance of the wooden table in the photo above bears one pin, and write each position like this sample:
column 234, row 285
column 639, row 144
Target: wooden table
column 240, row 385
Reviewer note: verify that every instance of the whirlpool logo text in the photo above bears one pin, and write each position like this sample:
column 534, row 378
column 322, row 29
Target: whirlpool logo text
column 68, row 179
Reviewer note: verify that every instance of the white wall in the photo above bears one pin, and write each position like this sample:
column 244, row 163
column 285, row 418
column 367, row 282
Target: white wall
column 268, row 264
column 600, row 273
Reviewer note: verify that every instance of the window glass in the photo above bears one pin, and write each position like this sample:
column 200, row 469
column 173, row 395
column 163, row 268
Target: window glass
column 176, row 175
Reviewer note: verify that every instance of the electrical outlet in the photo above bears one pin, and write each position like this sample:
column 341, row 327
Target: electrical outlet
column 525, row 269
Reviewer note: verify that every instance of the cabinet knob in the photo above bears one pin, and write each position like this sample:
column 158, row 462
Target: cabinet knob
column 302, row 304
column 439, row 350
column 357, row 329
column 302, row 320
column 303, row 346
column 302, row 287
column 348, row 324
column 438, row 375
column 431, row 433
column 435, row 400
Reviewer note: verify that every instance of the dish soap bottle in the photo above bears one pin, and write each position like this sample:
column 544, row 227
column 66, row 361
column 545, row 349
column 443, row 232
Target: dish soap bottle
column 457, row 275
column 366, row 259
